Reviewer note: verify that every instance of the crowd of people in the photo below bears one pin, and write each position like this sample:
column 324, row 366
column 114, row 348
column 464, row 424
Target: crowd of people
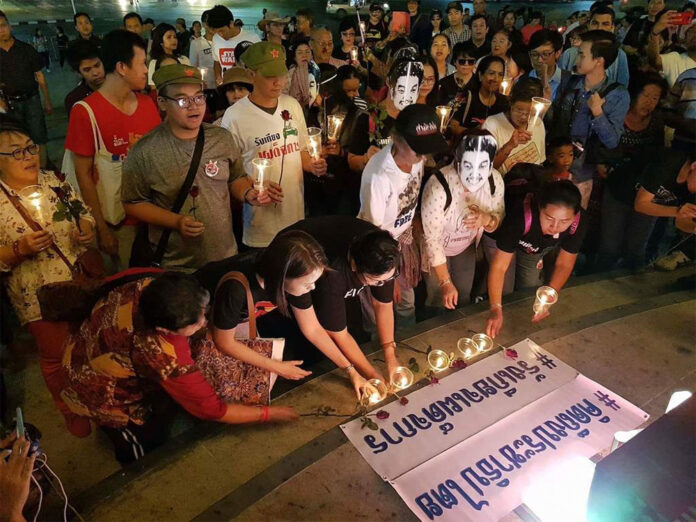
column 327, row 189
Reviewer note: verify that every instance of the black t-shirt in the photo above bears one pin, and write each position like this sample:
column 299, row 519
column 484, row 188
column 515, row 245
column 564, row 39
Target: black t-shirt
column 660, row 178
column 334, row 234
column 17, row 68
column 376, row 33
column 478, row 112
column 447, row 89
column 510, row 237
column 229, row 304
column 485, row 49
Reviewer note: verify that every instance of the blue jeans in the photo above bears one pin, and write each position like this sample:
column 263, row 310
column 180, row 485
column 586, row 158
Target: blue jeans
column 31, row 115
column 625, row 234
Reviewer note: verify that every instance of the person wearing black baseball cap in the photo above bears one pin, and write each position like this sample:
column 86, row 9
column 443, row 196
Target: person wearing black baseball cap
column 389, row 192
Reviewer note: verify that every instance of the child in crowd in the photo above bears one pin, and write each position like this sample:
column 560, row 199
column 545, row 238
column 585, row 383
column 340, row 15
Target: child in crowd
column 559, row 158
column 236, row 84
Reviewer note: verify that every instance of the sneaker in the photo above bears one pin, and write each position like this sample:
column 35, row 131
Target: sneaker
column 672, row 261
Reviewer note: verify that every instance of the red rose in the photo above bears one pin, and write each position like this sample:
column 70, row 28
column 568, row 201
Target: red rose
column 403, row 401
column 285, row 115
column 459, row 364
column 512, row 354
column 382, row 415
column 434, row 380
column 194, row 191
column 60, row 176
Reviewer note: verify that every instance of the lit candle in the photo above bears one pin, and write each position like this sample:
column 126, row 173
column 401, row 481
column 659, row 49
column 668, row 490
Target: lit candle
column 260, row 166
column 467, row 347
column 37, row 202
column 314, row 136
column 483, row 342
column 505, row 86
column 335, row 122
column 354, row 54
column 438, row 360
column 401, row 378
column 375, row 391
column 545, row 297
column 443, row 112
column 539, row 108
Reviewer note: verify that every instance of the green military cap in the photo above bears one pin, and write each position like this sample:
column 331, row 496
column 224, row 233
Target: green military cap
column 266, row 58
column 176, row 73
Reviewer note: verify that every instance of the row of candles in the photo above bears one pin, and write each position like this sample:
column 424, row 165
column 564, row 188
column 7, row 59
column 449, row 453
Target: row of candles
column 438, row 360
column 539, row 108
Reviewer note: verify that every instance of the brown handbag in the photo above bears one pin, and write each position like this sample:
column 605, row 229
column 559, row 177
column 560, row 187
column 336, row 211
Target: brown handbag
column 66, row 300
column 232, row 379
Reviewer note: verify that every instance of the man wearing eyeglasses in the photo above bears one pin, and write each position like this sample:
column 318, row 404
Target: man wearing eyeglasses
column 545, row 47
column 157, row 166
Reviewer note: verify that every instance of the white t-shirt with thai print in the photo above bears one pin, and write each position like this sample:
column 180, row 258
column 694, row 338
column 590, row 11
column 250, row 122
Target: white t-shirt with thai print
column 389, row 196
column 257, row 134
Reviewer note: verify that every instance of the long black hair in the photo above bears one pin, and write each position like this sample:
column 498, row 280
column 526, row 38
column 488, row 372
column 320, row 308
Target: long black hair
column 157, row 49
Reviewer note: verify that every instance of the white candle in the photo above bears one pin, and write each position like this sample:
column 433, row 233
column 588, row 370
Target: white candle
column 443, row 112
column 314, row 137
column 260, row 165
column 354, row 54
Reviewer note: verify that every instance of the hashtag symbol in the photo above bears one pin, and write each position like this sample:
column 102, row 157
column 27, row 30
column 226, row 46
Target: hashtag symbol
column 543, row 359
column 607, row 401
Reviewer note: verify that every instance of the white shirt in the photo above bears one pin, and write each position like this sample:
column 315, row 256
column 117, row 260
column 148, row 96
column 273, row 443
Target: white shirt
column 445, row 236
column 153, row 63
column 673, row 64
column 257, row 134
column 223, row 50
column 388, row 195
column 534, row 151
column 201, row 56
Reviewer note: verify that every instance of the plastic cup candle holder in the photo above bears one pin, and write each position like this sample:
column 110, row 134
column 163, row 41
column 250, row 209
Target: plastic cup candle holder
column 545, row 297
column 261, row 165
column 401, row 378
column 539, row 108
column 443, row 112
column 354, row 54
column 467, row 347
column 314, row 134
column 438, row 360
column 334, row 126
column 506, row 86
column 483, row 342
column 36, row 202
column 375, row 391
column 203, row 71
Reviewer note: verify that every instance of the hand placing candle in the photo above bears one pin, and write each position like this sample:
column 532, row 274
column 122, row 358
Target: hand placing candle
column 545, row 298
column 314, row 138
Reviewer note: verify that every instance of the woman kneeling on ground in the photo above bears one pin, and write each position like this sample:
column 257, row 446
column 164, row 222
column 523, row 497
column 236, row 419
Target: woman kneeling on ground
column 138, row 339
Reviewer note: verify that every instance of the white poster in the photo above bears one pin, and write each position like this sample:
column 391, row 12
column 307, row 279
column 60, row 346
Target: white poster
column 439, row 416
column 483, row 478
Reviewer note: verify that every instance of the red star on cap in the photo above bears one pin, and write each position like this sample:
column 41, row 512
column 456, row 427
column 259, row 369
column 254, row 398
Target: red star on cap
column 274, row 54
column 188, row 72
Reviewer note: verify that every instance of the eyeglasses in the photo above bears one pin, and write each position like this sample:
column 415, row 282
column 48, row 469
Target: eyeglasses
column 348, row 33
column 18, row 154
column 185, row 102
column 466, row 61
column 372, row 282
column 546, row 54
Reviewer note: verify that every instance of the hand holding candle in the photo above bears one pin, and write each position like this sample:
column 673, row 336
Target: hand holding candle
column 335, row 121
column 260, row 165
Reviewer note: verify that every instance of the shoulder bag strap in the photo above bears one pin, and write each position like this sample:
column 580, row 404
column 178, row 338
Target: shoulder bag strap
column 181, row 196
column 34, row 225
column 96, row 133
column 251, row 307
column 448, row 192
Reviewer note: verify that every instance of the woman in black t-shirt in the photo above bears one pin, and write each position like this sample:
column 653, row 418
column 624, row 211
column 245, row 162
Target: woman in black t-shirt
column 486, row 100
column 539, row 223
column 287, row 269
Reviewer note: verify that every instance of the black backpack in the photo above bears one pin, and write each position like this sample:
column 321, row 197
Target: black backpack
column 448, row 192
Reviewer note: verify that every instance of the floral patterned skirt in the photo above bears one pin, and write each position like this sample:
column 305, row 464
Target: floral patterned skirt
column 234, row 380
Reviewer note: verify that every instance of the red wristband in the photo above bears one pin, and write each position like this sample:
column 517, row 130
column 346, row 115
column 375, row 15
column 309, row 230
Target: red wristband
column 265, row 413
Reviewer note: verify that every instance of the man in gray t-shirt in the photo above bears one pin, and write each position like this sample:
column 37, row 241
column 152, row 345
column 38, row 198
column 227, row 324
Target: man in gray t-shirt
column 156, row 169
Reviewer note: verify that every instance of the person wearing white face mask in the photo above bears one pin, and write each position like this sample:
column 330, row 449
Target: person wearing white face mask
column 460, row 202
column 389, row 192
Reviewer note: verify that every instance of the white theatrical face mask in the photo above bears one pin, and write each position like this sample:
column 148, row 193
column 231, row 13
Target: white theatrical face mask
column 313, row 88
column 476, row 164
column 405, row 90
